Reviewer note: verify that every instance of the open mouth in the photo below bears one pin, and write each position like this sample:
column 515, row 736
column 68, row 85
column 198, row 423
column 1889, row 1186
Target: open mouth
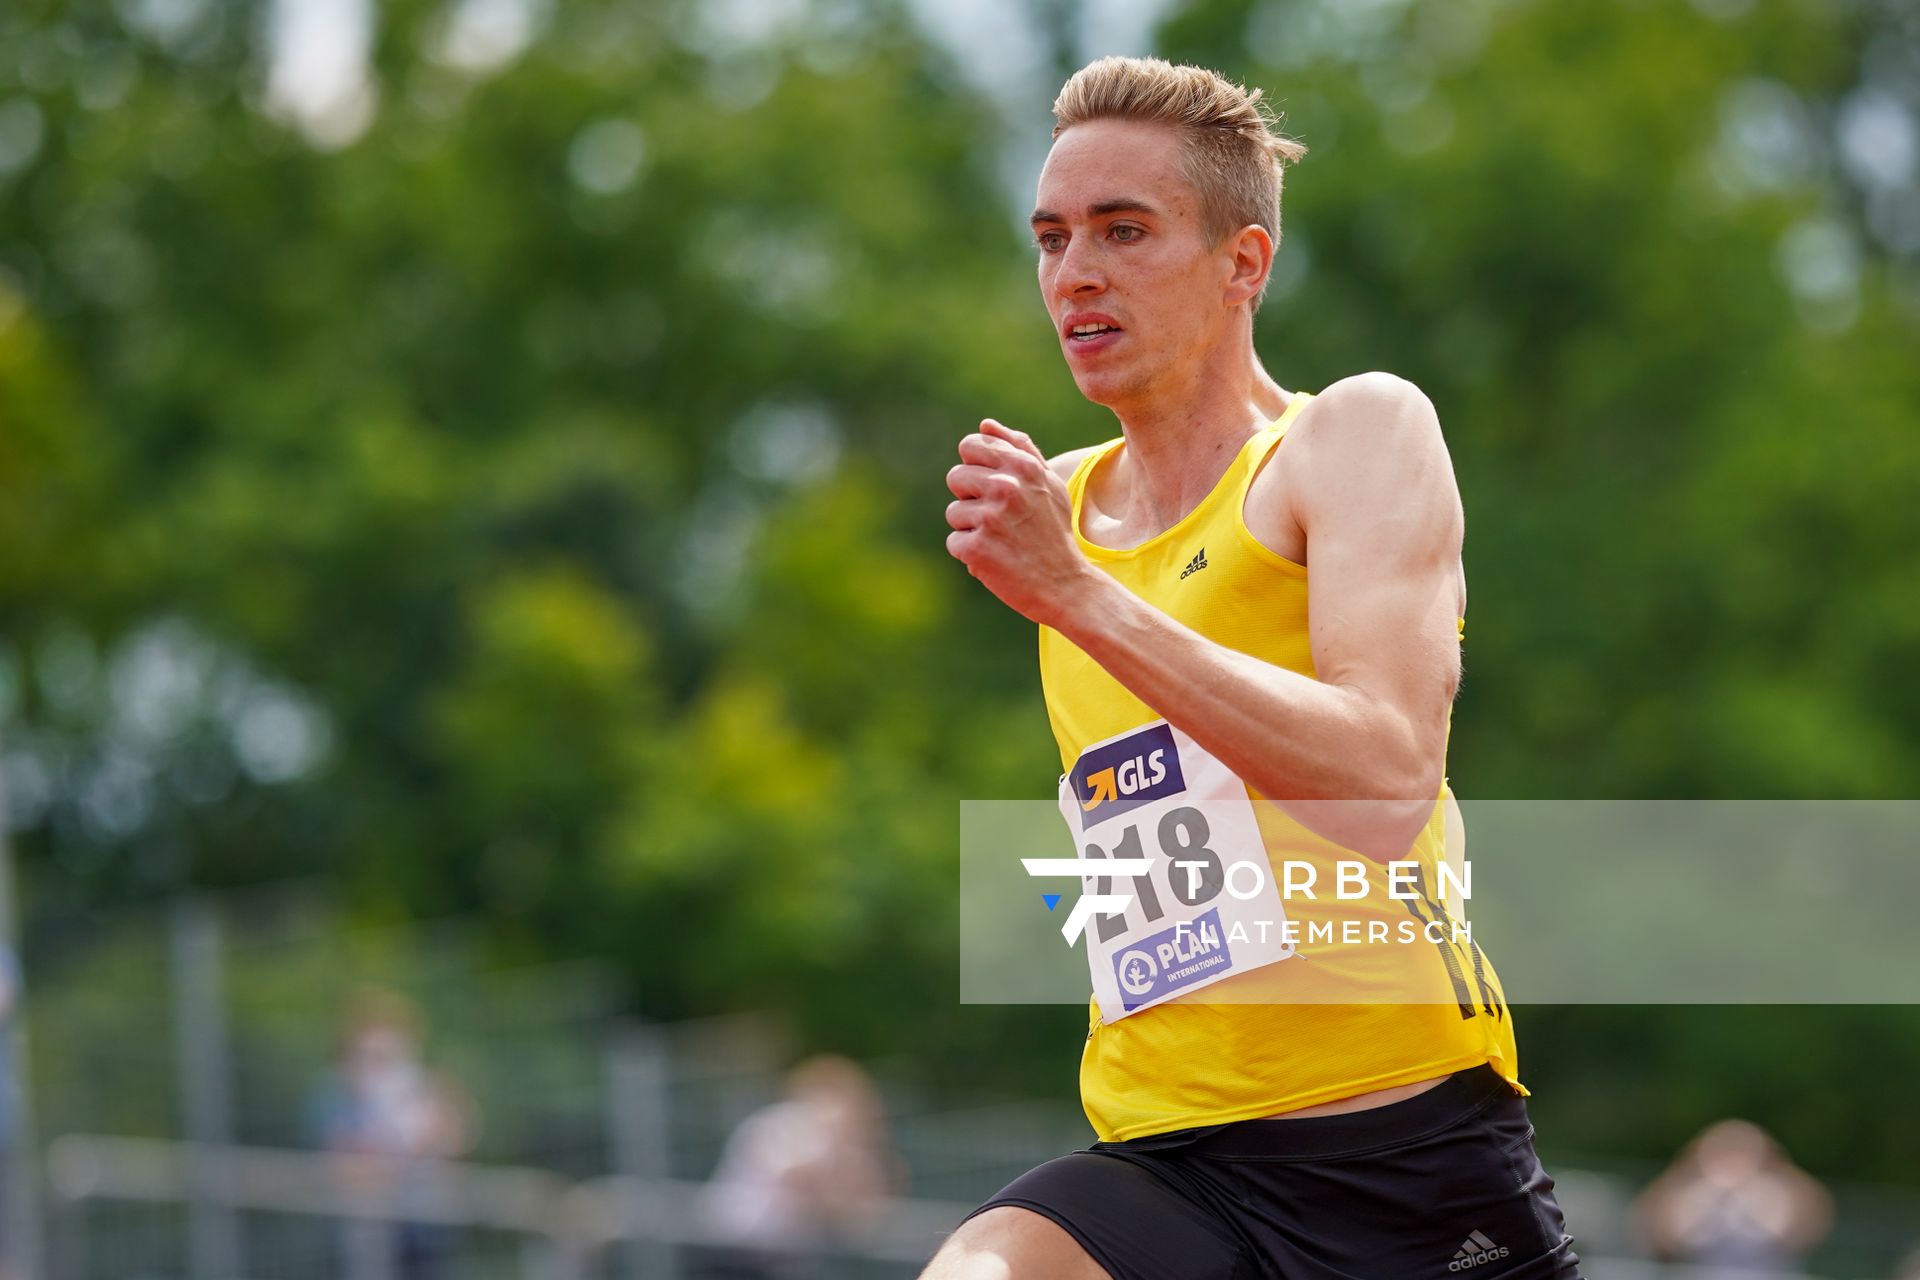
column 1089, row 333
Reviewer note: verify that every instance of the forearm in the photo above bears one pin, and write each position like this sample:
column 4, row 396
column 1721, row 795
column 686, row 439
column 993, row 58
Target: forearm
column 1314, row 747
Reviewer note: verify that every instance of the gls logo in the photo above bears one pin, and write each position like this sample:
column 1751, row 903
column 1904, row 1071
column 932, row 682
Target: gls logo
column 1125, row 778
column 1107, row 781
column 1126, row 773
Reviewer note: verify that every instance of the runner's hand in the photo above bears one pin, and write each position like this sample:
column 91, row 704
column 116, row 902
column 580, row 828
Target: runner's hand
column 1013, row 523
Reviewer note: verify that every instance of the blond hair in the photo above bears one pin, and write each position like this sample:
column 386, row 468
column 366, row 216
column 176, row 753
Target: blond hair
column 1231, row 146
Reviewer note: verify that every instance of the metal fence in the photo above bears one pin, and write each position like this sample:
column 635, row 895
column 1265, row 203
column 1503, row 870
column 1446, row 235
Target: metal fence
column 559, row 1230
column 520, row 1224
column 173, row 1049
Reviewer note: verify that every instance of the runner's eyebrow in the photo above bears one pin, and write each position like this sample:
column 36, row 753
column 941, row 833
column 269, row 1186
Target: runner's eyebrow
column 1124, row 204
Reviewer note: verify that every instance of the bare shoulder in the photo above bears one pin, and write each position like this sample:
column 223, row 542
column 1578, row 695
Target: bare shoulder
column 1371, row 411
column 1064, row 464
column 1364, row 455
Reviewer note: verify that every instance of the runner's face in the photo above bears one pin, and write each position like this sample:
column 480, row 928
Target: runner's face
column 1118, row 229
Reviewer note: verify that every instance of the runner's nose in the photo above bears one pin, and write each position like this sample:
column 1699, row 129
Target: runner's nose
column 1078, row 273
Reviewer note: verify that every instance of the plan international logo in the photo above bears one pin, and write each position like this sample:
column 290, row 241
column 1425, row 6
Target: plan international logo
column 1171, row 960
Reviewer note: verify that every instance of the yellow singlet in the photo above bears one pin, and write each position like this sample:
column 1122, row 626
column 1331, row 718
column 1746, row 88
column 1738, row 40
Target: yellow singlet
column 1309, row 1029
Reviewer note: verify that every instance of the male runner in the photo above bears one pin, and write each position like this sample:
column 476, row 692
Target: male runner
column 1269, row 637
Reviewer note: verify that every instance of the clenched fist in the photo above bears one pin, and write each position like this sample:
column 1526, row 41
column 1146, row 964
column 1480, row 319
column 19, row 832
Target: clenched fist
column 1013, row 523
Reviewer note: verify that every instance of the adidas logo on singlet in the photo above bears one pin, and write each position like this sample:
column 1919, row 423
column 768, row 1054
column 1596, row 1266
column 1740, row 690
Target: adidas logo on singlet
column 1196, row 564
column 1477, row 1249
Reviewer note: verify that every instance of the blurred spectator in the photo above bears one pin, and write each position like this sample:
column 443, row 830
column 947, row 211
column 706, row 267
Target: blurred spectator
column 1733, row 1203
column 800, row 1175
column 1909, row 1266
column 390, row 1123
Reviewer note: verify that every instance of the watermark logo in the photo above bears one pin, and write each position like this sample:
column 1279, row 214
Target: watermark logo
column 1089, row 905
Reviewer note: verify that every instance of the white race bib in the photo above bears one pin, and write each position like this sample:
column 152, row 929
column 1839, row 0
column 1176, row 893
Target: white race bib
column 1209, row 907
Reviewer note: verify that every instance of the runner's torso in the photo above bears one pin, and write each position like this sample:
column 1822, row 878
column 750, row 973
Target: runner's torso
column 1297, row 1032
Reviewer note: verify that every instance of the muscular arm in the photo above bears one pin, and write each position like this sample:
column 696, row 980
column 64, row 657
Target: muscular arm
column 1373, row 489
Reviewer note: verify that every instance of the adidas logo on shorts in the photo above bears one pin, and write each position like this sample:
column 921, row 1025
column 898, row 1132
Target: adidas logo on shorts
column 1477, row 1249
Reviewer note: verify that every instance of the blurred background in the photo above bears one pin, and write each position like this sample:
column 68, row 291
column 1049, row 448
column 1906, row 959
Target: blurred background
column 483, row 694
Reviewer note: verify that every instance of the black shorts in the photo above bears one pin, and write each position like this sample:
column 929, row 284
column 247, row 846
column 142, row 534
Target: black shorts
column 1440, row 1185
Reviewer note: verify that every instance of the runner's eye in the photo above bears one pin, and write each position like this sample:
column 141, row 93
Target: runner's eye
column 1127, row 233
column 1051, row 241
